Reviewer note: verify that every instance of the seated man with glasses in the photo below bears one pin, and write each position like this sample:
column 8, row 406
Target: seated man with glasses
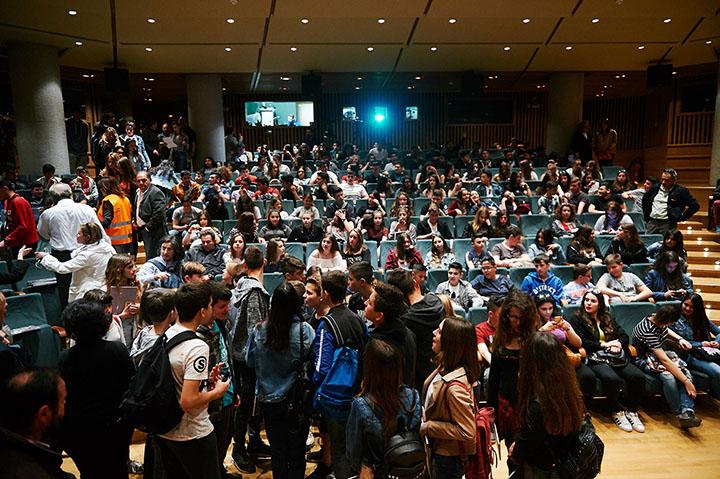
column 490, row 283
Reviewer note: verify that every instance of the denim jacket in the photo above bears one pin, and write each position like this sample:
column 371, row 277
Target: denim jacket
column 276, row 370
column 684, row 330
column 364, row 438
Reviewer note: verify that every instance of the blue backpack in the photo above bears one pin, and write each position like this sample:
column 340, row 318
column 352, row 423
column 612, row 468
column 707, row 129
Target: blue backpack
column 341, row 384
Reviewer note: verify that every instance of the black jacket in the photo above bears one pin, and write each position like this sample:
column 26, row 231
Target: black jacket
column 301, row 235
column 422, row 318
column 590, row 338
column 681, row 204
column 423, row 228
column 152, row 209
column 23, row 459
column 629, row 256
column 395, row 333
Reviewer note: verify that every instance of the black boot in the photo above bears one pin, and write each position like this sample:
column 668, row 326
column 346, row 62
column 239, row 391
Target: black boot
column 242, row 460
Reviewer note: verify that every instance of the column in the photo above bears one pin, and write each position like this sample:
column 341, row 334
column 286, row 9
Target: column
column 715, row 155
column 565, row 108
column 38, row 106
column 205, row 116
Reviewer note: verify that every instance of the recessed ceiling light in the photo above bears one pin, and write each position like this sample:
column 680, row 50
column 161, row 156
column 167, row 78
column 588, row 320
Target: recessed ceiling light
column 224, row 89
column 490, row 77
column 674, row 73
column 667, row 20
column 604, row 86
column 304, row 21
column 595, row 20
column 418, row 77
column 151, row 20
column 285, row 78
column 370, row 49
column 284, row 88
column 617, row 76
column 293, row 49
column 359, row 78
column 507, row 49
column 151, row 79
column 410, row 87
column 228, row 49
column 708, row 42
column 452, row 20
column 622, row 76
column 526, row 20
column 433, row 49
column 381, row 21
column 357, row 87
column 72, row 13
column 79, row 43
column 85, row 75
column 230, row 20
column 150, row 100
column 568, row 48
column 148, row 49
column 641, row 47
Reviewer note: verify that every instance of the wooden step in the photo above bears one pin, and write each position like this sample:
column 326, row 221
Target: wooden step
column 702, row 245
column 703, row 257
column 705, row 284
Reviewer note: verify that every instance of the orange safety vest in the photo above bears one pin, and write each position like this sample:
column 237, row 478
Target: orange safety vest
column 120, row 230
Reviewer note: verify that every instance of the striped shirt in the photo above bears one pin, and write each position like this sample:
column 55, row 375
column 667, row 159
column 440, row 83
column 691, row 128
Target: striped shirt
column 647, row 335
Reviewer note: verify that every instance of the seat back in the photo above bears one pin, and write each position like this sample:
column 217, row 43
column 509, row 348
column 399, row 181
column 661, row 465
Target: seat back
column 628, row 315
column 272, row 281
column 517, row 275
column 477, row 315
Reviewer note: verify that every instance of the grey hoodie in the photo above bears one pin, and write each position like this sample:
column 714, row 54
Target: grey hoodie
column 252, row 304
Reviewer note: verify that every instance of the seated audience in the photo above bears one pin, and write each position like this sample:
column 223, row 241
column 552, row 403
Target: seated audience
column 545, row 244
column 619, row 286
column 440, row 255
column 209, row 253
column 511, row 252
column 612, row 220
column 628, row 245
column 477, row 253
column 402, row 225
column 583, row 249
column 542, row 280
column 582, row 282
column 431, row 226
column 404, row 255
column 666, row 279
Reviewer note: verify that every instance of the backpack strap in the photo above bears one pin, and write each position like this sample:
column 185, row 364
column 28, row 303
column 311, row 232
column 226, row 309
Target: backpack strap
column 334, row 329
column 180, row 338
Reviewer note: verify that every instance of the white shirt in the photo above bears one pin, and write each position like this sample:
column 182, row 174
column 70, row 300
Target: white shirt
column 61, row 223
column 189, row 360
column 138, row 200
column 354, row 192
column 659, row 205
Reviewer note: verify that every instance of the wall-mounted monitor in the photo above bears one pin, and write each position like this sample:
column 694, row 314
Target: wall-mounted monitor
column 349, row 113
column 279, row 113
column 411, row 113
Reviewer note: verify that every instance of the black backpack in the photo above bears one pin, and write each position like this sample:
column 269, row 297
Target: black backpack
column 151, row 403
column 404, row 456
column 586, row 455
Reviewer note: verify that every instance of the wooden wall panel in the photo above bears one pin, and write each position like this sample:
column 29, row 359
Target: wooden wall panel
column 690, row 128
column 626, row 116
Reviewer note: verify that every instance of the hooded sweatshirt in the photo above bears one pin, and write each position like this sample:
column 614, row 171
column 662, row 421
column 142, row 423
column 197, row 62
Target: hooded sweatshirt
column 422, row 318
column 533, row 285
column 252, row 303
column 398, row 335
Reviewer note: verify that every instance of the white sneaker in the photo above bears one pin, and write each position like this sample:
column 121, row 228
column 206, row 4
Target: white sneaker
column 635, row 421
column 622, row 422
column 310, row 441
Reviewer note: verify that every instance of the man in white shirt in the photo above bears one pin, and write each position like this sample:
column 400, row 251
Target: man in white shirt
column 59, row 225
column 189, row 451
column 461, row 293
column 352, row 189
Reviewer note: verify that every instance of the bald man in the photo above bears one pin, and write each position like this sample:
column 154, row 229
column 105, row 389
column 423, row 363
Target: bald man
column 149, row 214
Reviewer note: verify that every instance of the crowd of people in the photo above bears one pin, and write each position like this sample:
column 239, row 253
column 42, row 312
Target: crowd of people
column 353, row 338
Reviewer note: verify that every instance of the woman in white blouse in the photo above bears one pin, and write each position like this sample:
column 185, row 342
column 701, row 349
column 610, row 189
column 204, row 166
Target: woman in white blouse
column 327, row 256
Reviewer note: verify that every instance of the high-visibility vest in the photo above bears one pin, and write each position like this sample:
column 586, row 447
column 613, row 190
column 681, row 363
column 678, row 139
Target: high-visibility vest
column 120, row 230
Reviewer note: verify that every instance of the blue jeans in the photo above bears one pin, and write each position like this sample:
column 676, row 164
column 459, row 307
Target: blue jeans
column 674, row 391
column 447, row 467
column 711, row 369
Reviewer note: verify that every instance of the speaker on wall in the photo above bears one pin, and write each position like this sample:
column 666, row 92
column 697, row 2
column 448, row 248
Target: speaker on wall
column 473, row 83
column 659, row 75
column 311, row 85
column 117, row 79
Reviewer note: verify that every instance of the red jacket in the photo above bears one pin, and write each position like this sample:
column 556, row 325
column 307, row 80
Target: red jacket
column 391, row 262
column 19, row 222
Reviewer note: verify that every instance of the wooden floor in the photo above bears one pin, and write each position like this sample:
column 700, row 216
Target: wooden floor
column 662, row 452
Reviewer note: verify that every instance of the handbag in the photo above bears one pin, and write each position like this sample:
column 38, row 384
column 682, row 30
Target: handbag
column 709, row 355
column 655, row 366
column 301, row 393
column 604, row 356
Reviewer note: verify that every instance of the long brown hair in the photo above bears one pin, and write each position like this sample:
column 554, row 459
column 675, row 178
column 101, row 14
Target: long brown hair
column 458, row 348
column 529, row 322
column 110, row 186
column 114, row 272
column 547, row 376
column 603, row 315
column 381, row 382
column 633, row 238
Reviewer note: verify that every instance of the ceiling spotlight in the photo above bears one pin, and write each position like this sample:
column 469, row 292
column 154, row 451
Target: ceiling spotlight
column 357, row 87
column 595, row 20
column 85, row 75
column 285, row 78
column 526, row 20
column 433, row 49
column 72, row 13
column 667, row 20
column 370, row 49
column 418, row 77
column 359, row 78
column 381, row 21
column 284, row 88
column 304, row 21
column 410, row 87
column 151, row 79
column 151, row 20
column 148, row 49
column 641, row 47
column 674, row 73
column 79, row 43
column 604, row 86
column 708, row 42
column 617, row 76
column 622, row 76
column 224, row 89
column 507, row 49
column 230, row 20
column 228, row 49
column 568, row 48
column 452, row 20
column 293, row 49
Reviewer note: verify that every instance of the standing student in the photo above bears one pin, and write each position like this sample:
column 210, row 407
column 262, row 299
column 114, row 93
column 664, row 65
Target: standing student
column 449, row 421
column 360, row 285
column 549, row 408
column 19, row 228
column 189, row 450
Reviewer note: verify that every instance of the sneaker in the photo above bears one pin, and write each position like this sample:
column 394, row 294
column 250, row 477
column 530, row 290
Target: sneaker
column 688, row 419
column 259, row 448
column 310, row 441
column 135, row 467
column 635, row 421
column 315, row 456
column 622, row 422
column 242, row 461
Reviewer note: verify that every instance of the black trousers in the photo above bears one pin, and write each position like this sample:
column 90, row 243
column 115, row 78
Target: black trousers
column 194, row 459
column 287, row 444
column 244, row 416
column 223, row 423
column 623, row 387
column 99, row 452
column 63, row 280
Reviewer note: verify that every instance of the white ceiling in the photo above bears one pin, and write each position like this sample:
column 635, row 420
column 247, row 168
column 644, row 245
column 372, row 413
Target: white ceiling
column 191, row 35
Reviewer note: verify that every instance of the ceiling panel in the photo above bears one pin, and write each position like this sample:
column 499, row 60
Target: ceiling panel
column 190, row 59
column 312, row 9
column 708, row 29
column 647, row 8
column 202, row 27
column 623, row 29
column 339, row 58
column 501, row 8
column 589, row 57
column 693, row 53
column 464, row 57
column 331, row 30
column 484, row 30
